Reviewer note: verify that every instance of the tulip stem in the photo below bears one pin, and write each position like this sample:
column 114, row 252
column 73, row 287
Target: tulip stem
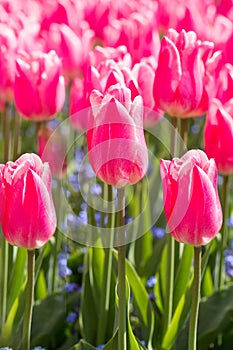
column 121, row 271
column 195, row 299
column 224, row 237
column 106, row 286
column 184, row 123
column 5, row 245
column 29, row 301
column 17, row 141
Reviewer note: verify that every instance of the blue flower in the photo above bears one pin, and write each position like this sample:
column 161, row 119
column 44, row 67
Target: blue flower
column 158, row 232
column 63, row 269
column 5, row 348
column 71, row 287
column 143, row 342
column 101, row 346
column 230, row 222
column 195, row 129
column 152, row 296
column 96, row 189
column 38, row 348
column 71, row 318
column 151, row 282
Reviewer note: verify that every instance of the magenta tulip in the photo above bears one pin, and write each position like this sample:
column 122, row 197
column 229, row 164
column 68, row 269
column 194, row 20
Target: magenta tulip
column 116, row 143
column 191, row 203
column 28, row 214
column 218, row 135
column 39, row 86
column 178, row 84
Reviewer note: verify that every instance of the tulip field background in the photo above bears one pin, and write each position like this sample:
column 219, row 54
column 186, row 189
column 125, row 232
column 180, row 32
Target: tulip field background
column 108, row 93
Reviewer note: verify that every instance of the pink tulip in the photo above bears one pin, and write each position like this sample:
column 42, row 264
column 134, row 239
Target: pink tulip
column 39, row 86
column 218, row 135
column 191, row 201
column 178, row 85
column 116, row 143
column 8, row 46
column 73, row 49
column 28, row 215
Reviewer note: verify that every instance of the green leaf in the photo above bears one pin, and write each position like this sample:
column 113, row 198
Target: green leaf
column 82, row 345
column 215, row 318
column 141, row 300
column 183, row 274
column 17, row 277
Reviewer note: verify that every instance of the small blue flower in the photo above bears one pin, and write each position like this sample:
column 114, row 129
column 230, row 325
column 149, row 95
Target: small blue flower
column 5, row 348
column 96, row 189
column 195, row 129
column 151, row 282
column 73, row 180
column 71, row 287
column 220, row 180
column 229, row 261
column 78, row 156
column 71, row 318
column 63, row 269
column 230, row 222
column 143, row 342
column 38, row 348
column 101, row 346
column 152, row 296
column 158, row 232
column 229, row 271
column 129, row 220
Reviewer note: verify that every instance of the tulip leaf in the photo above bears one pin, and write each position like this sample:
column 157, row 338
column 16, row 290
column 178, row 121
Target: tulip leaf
column 183, row 273
column 215, row 318
column 17, row 277
column 142, row 301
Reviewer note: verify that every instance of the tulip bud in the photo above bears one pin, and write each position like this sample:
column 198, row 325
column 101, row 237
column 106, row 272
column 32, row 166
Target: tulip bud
column 28, row 214
column 39, row 86
column 116, row 143
column 191, row 203
column 218, row 135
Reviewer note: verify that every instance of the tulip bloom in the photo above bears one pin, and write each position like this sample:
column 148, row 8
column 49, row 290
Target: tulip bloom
column 39, row 86
column 28, row 214
column 191, row 201
column 116, row 143
column 218, row 135
column 178, row 84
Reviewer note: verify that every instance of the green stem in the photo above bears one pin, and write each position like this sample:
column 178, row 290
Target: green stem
column 121, row 271
column 29, row 301
column 173, row 142
column 105, row 295
column 195, row 299
column 184, row 123
column 169, row 282
column 5, row 245
column 17, row 139
column 224, row 238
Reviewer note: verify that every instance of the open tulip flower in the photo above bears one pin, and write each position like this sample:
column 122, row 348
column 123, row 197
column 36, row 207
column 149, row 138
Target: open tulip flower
column 27, row 210
column 116, row 143
column 191, row 201
column 39, row 86
column 218, row 135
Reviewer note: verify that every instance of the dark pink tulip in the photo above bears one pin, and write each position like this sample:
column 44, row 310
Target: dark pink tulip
column 116, row 143
column 28, row 216
column 39, row 86
column 218, row 135
column 224, row 83
column 178, row 85
column 191, row 201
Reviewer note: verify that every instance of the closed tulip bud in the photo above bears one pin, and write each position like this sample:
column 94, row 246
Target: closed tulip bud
column 39, row 86
column 116, row 143
column 28, row 215
column 178, row 84
column 191, row 203
column 218, row 135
